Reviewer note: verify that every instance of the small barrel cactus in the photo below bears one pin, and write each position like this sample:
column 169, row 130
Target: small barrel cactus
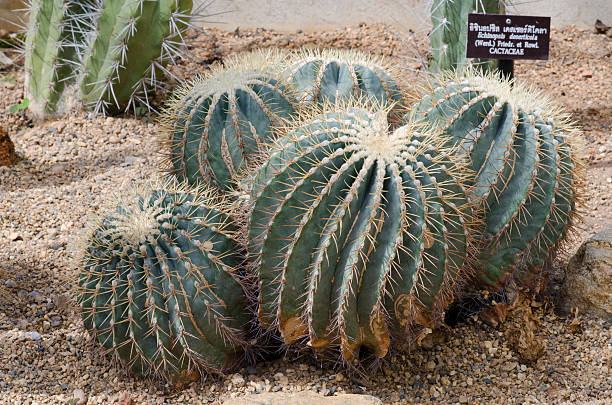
column 220, row 123
column 357, row 233
column 448, row 38
column 160, row 286
column 54, row 40
column 127, row 50
column 527, row 165
column 334, row 75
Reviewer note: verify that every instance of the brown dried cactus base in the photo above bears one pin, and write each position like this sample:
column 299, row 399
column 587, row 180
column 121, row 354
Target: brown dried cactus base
column 7, row 149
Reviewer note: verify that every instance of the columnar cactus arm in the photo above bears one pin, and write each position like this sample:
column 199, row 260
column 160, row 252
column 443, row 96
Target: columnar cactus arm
column 448, row 37
column 128, row 51
column 54, row 40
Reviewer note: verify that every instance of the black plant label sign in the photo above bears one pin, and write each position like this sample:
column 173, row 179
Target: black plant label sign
column 496, row 36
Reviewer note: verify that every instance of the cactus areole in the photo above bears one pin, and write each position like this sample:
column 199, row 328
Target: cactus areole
column 357, row 233
column 159, row 285
column 527, row 163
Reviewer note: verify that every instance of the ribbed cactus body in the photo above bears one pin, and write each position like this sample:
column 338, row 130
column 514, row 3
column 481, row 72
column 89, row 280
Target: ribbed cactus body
column 160, row 286
column 448, row 38
column 335, row 75
column 217, row 125
column 128, row 50
column 526, row 163
column 357, row 233
column 54, row 38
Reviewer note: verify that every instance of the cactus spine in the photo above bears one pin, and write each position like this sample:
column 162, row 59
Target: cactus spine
column 334, row 75
column 129, row 49
column 216, row 125
column 159, row 284
column 54, row 39
column 527, row 161
column 356, row 232
column 448, row 38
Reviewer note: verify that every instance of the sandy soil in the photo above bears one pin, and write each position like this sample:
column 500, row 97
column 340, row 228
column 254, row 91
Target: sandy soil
column 67, row 168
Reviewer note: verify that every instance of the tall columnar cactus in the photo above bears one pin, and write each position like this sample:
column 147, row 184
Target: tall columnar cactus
column 357, row 233
column 448, row 38
column 215, row 126
column 160, row 286
column 128, row 50
column 54, row 40
column 526, row 157
column 330, row 75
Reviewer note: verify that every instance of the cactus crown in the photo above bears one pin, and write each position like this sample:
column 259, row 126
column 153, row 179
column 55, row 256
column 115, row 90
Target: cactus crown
column 215, row 125
column 527, row 156
column 160, row 285
column 356, row 232
column 330, row 75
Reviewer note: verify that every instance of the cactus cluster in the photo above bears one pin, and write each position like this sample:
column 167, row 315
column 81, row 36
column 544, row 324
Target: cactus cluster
column 215, row 126
column 116, row 51
column 356, row 232
column 448, row 37
column 527, row 168
column 358, row 227
column 160, row 285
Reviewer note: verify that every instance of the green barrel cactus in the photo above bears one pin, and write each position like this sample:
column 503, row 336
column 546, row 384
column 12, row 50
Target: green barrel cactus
column 357, row 233
column 55, row 35
column 217, row 125
column 527, row 163
column 128, row 50
column 160, row 285
column 448, row 38
column 334, row 75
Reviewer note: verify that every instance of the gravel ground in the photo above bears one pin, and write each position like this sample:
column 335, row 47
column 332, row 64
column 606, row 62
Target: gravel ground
column 67, row 168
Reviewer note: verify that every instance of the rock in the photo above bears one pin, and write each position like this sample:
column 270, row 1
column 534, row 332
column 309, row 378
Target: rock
column 303, row 398
column 79, row 396
column 36, row 296
column 10, row 283
column 237, row 380
column 588, row 282
column 32, row 336
column 7, row 149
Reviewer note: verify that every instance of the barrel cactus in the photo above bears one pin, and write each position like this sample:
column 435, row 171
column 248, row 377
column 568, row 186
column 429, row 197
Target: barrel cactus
column 448, row 38
column 217, row 125
column 55, row 35
column 160, row 285
column 357, row 233
column 331, row 74
column 128, row 49
column 526, row 154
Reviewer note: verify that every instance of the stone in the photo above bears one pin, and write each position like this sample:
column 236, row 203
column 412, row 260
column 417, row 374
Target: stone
column 32, row 336
column 79, row 396
column 303, row 398
column 588, row 281
column 7, row 149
